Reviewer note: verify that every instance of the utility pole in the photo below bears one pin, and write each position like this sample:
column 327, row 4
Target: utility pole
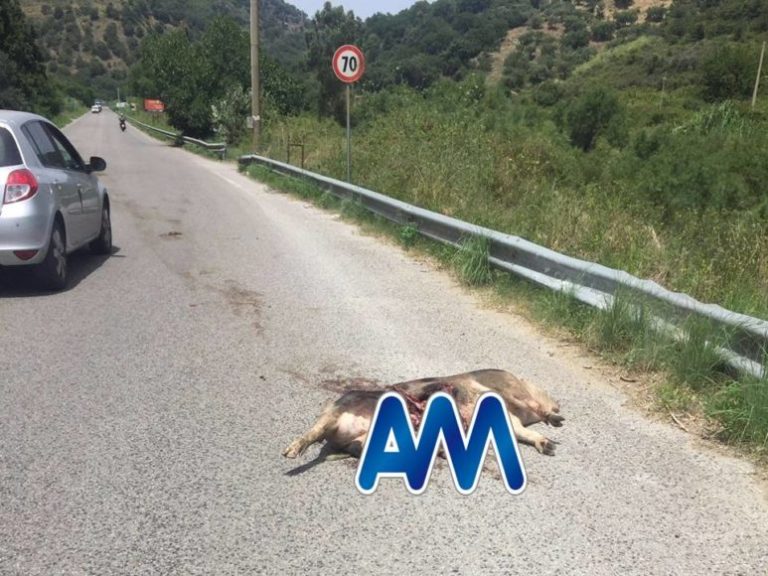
column 255, row 84
column 759, row 73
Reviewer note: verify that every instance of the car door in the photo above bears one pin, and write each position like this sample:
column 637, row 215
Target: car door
column 62, row 181
column 85, row 183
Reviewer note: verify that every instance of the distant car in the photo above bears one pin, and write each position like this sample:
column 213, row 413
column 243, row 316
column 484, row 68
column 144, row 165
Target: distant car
column 96, row 108
column 52, row 203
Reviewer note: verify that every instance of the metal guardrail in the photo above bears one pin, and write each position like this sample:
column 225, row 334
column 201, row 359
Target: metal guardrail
column 219, row 147
column 588, row 282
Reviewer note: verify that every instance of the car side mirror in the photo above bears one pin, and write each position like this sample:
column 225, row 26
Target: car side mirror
column 96, row 164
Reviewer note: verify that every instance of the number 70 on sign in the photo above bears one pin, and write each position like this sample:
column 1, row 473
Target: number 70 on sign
column 348, row 63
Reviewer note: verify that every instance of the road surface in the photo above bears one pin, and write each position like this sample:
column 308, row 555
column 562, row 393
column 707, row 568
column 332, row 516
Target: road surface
column 143, row 411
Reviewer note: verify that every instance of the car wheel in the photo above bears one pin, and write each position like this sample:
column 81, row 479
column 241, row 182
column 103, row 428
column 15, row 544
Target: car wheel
column 52, row 271
column 103, row 244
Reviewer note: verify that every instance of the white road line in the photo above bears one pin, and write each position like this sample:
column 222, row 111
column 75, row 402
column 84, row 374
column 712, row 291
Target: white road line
column 230, row 181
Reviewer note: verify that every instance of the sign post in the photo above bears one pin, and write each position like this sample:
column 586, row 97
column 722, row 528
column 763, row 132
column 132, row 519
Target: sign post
column 349, row 65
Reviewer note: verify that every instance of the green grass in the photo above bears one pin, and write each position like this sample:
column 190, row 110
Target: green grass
column 695, row 362
column 614, row 54
column 471, row 261
column 561, row 309
column 353, row 209
column 742, row 407
column 674, row 398
column 408, row 236
column 500, row 172
column 618, row 328
column 72, row 109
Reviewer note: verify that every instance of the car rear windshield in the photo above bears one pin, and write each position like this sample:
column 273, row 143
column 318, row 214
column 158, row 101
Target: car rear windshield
column 9, row 152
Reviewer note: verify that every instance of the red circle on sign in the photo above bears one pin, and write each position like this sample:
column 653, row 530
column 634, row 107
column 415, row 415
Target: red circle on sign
column 348, row 63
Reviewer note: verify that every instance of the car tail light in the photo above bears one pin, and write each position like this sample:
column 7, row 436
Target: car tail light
column 25, row 254
column 20, row 185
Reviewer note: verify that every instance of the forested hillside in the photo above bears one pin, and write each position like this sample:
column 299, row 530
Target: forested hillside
column 23, row 80
column 94, row 42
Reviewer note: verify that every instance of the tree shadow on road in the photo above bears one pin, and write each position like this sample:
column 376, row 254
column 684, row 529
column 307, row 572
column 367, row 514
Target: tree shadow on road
column 20, row 282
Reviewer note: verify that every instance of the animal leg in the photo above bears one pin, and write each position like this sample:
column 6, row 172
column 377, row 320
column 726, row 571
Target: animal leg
column 527, row 436
column 315, row 434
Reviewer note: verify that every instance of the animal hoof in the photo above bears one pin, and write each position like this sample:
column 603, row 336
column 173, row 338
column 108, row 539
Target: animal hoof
column 292, row 451
column 546, row 447
column 555, row 420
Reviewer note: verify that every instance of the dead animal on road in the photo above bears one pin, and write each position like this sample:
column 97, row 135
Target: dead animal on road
column 344, row 424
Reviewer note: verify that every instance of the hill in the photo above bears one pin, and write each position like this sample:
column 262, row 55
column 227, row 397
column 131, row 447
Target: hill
column 94, row 42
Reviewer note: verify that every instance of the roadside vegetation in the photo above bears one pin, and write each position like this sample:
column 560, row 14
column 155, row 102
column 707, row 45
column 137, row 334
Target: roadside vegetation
column 692, row 385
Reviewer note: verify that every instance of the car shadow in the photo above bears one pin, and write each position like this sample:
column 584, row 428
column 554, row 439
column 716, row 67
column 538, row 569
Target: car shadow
column 21, row 282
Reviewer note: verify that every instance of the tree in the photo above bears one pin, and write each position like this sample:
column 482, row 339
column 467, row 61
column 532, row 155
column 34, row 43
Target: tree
column 655, row 14
column 206, row 82
column 597, row 112
column 602, row 31
column 625, row 18
column 224, row 51
column 330, row 28
column 728, row 71
column 576, row 39
column 170, row 69
column 24, row 84
column 230, row 112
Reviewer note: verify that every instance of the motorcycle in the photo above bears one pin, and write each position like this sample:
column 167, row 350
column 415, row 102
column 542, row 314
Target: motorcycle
column 122, row 124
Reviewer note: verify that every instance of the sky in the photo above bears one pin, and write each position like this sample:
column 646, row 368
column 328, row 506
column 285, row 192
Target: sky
column 361, row 8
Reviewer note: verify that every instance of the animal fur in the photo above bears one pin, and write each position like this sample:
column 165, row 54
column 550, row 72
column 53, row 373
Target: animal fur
column 344, row 424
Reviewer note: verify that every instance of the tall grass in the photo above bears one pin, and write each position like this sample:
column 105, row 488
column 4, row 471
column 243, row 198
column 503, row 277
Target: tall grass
column 619, row 326
column 70, row 110
column 471, row 261
column 682, row 207
column 742, row 406
column 695, row 361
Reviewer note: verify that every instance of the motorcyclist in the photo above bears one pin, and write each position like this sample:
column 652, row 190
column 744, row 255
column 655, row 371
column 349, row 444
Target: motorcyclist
column 122, row 121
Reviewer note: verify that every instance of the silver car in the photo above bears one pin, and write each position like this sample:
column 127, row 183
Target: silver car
column 52, row 203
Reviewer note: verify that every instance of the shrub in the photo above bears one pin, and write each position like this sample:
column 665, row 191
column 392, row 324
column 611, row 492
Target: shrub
column 655, row 14
column 603, row 31
column 597, row 112
column 728, row 71
column 625, row 18
column 229, row 114
column 547, row 93
column 577, row 39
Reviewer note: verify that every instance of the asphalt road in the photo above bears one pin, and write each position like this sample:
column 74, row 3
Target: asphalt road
column 143, row 411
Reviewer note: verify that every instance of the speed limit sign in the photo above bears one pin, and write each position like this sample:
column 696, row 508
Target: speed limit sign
column 349, row 63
